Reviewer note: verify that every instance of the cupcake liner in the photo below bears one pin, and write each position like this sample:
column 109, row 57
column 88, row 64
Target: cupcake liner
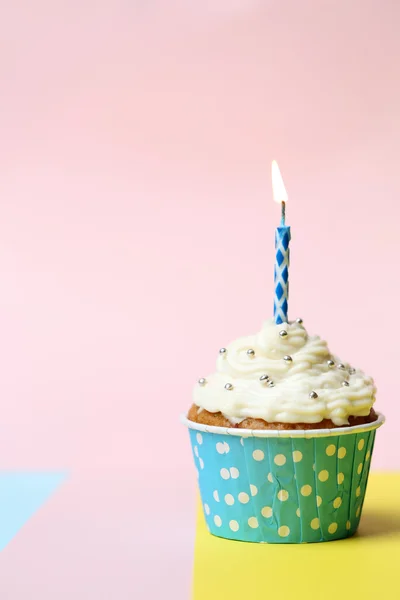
column 282, row 486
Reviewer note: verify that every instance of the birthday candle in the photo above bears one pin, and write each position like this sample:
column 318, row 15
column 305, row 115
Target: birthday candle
column 282, row 252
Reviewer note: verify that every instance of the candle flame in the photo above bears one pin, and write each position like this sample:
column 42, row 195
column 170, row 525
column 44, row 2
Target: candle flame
column 278, row 187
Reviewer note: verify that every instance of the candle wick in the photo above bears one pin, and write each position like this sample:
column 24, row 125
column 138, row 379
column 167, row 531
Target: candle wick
column 283, row 214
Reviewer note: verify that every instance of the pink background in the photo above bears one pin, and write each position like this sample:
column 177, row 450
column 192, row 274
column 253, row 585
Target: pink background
column 136, row 238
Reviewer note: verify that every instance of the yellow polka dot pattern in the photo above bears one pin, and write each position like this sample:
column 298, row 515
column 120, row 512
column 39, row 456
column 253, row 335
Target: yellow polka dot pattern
column 332, row 528
column 283, row 495
column 283, row 531
column 253, row 490
column 297, row 456
column 280, row 460
column 258, row 455
column 306, row 490
column 253, row 522
column 323, row 475
column 315, row 523
column 218, row 520
column 331, row 449
column 266, row 511
column 243, row 497
column 234, row 525
column 291, row 490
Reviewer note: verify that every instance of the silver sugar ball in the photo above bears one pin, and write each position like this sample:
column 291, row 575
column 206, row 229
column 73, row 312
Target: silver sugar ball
column 341, row 366
column 331, row 363
column 299, row 321
column 222, row 350
column 283, row 333
column 264, row 378
column 271, row 384
column 352, row 371
column 287, row 358
column 345, row 384
column 313, row 394
column 250, row 352
column 228, row 386
column 202, row 381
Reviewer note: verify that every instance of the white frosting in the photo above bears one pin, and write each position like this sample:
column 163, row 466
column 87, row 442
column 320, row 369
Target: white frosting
column 289, row 400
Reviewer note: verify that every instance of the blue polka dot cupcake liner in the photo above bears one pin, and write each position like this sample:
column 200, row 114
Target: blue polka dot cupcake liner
column 276, row 486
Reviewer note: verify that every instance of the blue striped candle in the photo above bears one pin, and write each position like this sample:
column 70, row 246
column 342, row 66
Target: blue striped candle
column 282, row 253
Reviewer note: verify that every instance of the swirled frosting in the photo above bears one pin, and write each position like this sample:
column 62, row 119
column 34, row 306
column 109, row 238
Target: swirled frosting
column 305, row 387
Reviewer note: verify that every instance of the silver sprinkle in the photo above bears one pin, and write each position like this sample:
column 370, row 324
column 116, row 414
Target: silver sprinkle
column 202, row 381
column 250, row 352
column 352, row 371
column 228, row 386
column 341, row 366
column 222, row 350
column 287, row 358
column 299, row 321
column 313, row 394
column 345, row 383
column 271, row 384
column 331, row 363
column 264, row 379
column 283, row 333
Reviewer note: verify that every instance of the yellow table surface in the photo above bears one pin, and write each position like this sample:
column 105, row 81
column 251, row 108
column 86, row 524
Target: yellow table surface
column 364, row 566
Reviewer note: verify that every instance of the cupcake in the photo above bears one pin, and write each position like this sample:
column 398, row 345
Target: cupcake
column 282, row 436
